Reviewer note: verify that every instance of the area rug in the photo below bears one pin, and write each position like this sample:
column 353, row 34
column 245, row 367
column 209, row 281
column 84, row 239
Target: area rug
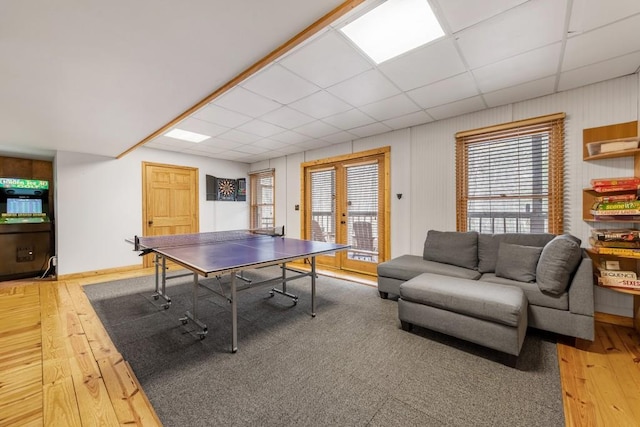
column 351, row 365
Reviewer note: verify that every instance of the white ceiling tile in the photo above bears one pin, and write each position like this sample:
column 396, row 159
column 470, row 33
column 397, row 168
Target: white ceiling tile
column 290, row 149
column 236, row 135
column 457, row 108
column 200, row 126
column 428, row 64
column 260, row 128
column 316, row 129
column 413, row 119
column 525, row 27
column 349, row 119
column 287, row 117
column 445, row 91
column 532, row 65
column 521, row 92
column 279, row 84
column 621, row 66
column 221, row 116
column 252, row 149
column 589, row 14
column 461, row 14
column 372, row 129
column 290, row 137
column 326, row 60
column 313, row 144
column 321, row 104
column 270, row 144
column 601, row 44
column 339, row 137
column 221, row 143
column 246, row 102
column 389, row 108
column 364, row 88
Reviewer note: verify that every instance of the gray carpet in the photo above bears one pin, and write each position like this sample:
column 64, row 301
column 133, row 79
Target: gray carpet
column 352, row 365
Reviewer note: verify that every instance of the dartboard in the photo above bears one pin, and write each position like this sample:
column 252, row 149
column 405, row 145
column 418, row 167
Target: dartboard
column 226, row 189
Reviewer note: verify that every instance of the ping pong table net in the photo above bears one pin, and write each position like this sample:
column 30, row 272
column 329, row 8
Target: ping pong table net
column 149, row 243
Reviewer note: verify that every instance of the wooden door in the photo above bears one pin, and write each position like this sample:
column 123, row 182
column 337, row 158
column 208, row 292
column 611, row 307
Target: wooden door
column 169, row 200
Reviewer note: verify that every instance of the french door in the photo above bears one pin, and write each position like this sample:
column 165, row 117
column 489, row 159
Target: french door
column 345, row 202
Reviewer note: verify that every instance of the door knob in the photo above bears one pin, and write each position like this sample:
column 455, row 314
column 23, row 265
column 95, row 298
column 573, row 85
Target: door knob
column 343, row 222
column 150, row 222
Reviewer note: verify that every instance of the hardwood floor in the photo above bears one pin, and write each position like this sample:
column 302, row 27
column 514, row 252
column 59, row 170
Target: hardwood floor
column 59, row 367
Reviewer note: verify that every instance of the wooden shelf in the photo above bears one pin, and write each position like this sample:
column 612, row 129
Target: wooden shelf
column 613, row 154
column 588, row 199
column 604, row 134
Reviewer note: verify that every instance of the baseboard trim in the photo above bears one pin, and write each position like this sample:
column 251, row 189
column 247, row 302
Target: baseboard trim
column 614, row 319
column 94, row 273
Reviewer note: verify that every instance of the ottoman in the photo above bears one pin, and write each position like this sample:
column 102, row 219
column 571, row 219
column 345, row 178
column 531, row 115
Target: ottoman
column 489, row 314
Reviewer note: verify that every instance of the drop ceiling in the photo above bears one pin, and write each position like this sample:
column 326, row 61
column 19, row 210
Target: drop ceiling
column 99, row 77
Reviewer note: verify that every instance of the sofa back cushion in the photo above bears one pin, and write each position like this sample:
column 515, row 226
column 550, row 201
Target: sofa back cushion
column 517, row 262
column 558, row 261
column 488, row 245
column 452, row 247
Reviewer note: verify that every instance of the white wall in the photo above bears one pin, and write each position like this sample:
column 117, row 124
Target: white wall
column 99, row 204
column 423, row 166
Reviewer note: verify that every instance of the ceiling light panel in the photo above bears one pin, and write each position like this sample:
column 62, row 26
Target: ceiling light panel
column 326, row 61
column 280, row 84
column 185, row 135
column 393, row 28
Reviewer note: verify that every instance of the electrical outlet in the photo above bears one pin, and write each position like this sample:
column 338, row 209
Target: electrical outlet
column 54, row 260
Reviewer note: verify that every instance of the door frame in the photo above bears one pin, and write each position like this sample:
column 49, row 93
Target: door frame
column 384, row 243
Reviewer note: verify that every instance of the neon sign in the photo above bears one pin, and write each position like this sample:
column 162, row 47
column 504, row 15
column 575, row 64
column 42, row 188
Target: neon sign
column 34, row 184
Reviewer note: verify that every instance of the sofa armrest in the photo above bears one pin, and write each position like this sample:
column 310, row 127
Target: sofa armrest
column 581, row 293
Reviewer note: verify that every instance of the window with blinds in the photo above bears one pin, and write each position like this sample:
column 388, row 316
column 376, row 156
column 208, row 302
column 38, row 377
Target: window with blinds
column 323, row 205
column 509, row 178
column 262, row 199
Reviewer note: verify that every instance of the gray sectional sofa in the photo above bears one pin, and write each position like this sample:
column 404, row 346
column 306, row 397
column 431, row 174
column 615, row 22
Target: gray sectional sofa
column 538, row 280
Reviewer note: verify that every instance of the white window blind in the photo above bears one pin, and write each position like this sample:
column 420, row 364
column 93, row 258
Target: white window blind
column 509, row 177
column 323, row 204
column 262, row 199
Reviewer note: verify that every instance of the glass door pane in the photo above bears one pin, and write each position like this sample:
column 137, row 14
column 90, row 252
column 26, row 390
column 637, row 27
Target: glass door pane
column 362, row 212
column 323, row 205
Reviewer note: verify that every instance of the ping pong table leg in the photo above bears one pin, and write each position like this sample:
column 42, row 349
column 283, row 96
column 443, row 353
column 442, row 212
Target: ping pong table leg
column 313, row 286
column 234, row 314
column 194, row 316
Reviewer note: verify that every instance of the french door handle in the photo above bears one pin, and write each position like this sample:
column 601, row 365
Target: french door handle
column 343, row 222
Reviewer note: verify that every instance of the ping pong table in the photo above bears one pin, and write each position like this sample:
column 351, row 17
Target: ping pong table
column 213, row 254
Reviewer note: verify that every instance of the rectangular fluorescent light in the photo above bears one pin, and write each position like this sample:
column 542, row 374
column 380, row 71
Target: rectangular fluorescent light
column 393, row 28
column 185, row 135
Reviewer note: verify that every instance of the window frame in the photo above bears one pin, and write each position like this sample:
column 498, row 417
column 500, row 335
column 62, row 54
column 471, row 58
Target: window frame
column 553, row 125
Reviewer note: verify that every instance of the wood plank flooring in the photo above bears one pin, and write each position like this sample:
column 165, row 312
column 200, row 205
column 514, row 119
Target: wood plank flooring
column 58, row 366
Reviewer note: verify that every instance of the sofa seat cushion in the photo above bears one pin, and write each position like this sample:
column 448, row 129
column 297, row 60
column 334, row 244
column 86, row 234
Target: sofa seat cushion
column 490, row 301
column 532, row 292
column 407, row 267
